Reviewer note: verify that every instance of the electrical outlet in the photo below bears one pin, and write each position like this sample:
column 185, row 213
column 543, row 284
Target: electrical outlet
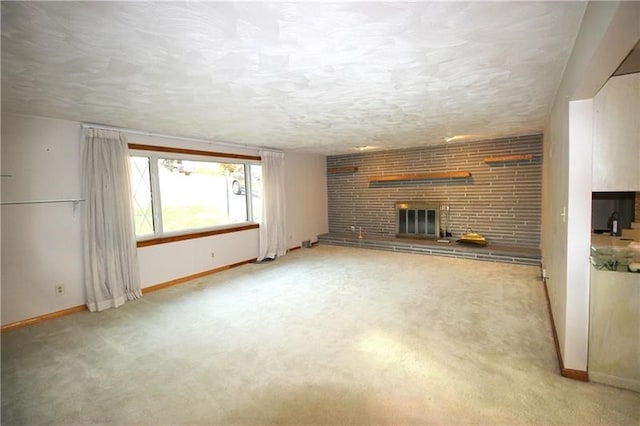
column 59, row 288
column 352, row 228
column 213, row 254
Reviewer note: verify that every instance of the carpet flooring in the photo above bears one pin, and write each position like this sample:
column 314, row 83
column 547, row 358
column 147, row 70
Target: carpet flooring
column 328, row 335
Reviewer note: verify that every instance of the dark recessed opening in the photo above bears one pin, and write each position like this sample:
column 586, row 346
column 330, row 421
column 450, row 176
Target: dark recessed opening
column 605, row 204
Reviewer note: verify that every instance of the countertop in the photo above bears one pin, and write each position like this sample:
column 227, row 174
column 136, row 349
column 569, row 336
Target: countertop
column 605, row 240
column 610, row 253
column 602, row 240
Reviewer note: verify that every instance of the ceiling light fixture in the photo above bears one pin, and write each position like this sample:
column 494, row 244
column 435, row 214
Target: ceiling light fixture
column 456, row 138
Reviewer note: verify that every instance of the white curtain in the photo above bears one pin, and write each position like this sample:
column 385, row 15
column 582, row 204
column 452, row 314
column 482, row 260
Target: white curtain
column 273, row 233
column 110, row 257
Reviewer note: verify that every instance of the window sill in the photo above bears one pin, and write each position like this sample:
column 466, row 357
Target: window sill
column 192, row 235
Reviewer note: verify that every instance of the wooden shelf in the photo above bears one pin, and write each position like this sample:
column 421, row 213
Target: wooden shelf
column 421, row 176
column 347, row 169
column 508, row 158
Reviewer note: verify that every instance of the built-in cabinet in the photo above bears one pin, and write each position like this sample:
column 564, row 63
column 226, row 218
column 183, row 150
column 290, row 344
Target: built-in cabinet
column 614, row 314
column 616, row 135
column 614, row 330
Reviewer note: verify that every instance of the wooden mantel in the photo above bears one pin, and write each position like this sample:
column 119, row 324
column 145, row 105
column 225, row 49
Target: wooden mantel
column 346, row 169
column 508, row 158
column 421, row 176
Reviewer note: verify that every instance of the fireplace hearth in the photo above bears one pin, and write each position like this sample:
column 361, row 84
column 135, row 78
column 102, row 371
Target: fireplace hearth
column 417, row 219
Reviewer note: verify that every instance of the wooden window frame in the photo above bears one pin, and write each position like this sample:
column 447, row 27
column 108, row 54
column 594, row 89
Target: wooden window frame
column 196, row 234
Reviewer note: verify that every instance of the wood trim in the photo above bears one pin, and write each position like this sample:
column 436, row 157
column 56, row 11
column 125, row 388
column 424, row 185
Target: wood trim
column 182, row 280
column 299, row 247
column 172, row 150
column 182, row 237
column 579, row 375
column 508, row 158
column 421, row 176
column 43, row 318
column 553, row 326
column 80, row 308
column 347, row 169
column 569, row 373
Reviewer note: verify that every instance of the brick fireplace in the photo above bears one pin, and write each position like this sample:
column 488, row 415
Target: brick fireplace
column 500, row 200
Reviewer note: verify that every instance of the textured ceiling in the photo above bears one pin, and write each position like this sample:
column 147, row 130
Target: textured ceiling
column 319, row 77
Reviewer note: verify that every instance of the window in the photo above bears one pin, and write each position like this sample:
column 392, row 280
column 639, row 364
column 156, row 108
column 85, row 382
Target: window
column 176, row 193
column 141, row 190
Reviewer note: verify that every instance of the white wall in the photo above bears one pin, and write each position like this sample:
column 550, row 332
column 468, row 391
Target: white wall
column 307, row 208
column 609, row 31
column 578, row 222
column 165, row 262
column 42, row 244
column 616, row 141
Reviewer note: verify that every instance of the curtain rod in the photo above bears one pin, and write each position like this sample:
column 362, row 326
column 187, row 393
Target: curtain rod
column 181, row 138
column 71, row 200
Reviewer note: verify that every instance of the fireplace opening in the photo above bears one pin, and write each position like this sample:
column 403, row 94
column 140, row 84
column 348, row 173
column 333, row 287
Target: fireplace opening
column 417, row 219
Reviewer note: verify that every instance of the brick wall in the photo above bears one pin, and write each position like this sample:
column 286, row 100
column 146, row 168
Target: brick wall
column 502, row 201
